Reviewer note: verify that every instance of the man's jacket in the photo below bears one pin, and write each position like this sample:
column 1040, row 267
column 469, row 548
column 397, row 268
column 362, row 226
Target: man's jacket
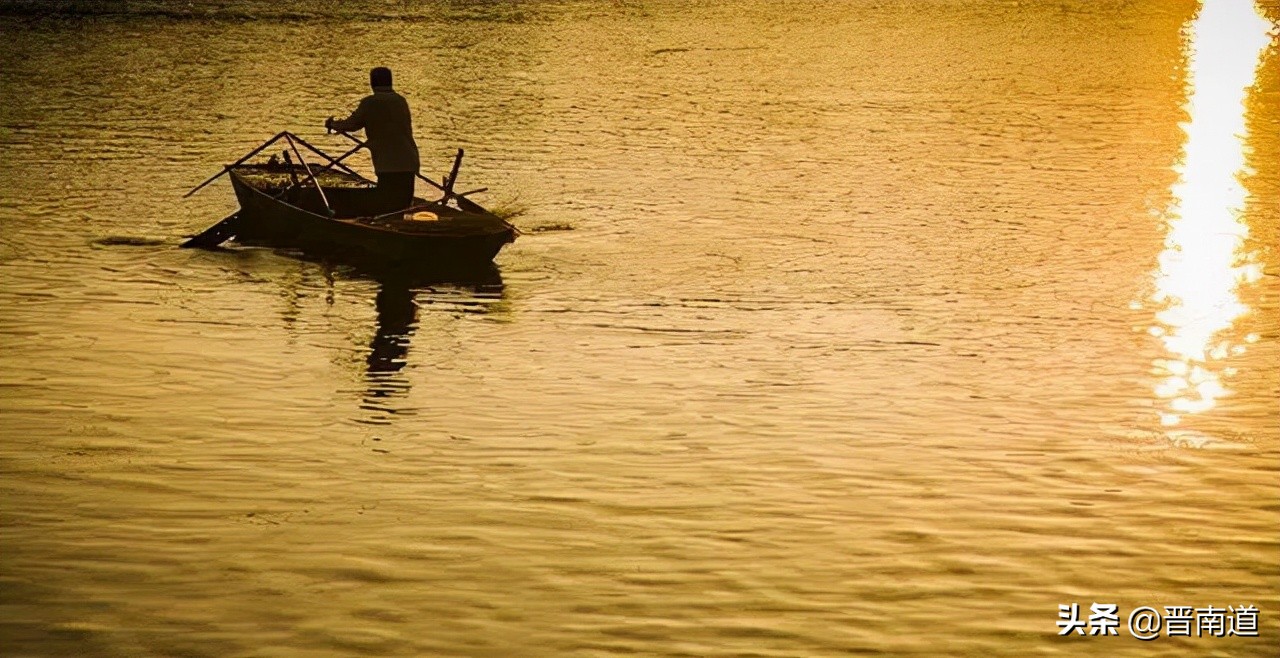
column 384, row 116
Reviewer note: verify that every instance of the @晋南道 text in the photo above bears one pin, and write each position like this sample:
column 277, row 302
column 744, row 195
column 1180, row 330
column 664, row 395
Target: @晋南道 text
column 1147, row 623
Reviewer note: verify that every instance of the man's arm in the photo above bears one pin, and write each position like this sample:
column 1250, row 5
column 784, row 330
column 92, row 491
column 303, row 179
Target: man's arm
column 353, row 122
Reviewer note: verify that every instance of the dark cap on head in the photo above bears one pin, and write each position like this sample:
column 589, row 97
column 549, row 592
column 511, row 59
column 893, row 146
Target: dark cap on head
column 380, row 77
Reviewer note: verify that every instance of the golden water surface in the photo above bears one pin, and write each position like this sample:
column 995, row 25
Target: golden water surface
column 882, row 328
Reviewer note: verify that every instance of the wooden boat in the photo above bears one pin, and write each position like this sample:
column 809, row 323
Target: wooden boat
column 431, row 236
column 335, row 214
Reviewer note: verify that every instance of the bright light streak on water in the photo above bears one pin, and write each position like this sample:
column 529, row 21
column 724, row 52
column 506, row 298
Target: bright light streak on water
column 1203, row 263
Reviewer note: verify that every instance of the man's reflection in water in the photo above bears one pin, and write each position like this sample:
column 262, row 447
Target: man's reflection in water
column 397, row 320
column 397, row 309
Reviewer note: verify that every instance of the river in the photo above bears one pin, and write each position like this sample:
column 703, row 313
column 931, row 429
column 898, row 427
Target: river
column 865, row 328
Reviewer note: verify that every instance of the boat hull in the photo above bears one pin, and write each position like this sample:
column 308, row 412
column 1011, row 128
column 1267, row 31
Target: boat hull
column 289, row 221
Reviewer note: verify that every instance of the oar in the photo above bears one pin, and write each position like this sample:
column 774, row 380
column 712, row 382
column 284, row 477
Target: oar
column 363, row 144
column 227, row 168
column 216, row 234
column 463, row 202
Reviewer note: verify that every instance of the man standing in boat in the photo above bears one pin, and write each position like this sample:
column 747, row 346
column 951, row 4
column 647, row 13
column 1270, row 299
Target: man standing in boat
column 385, row 118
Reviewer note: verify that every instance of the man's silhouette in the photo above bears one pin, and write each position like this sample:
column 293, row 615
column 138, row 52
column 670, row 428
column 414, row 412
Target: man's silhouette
column 384, row 116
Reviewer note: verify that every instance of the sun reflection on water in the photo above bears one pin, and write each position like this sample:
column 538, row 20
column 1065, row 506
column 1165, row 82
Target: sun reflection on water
column 1204, row 261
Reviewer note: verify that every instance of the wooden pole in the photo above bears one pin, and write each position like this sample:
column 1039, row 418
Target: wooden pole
column 310, row 175
column 453, row 175
column 227, row 168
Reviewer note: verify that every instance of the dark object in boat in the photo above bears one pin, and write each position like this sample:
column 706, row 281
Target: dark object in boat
column 331, row 215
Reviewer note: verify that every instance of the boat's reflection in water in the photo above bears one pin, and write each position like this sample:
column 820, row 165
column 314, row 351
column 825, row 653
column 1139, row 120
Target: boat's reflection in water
column 398, row 309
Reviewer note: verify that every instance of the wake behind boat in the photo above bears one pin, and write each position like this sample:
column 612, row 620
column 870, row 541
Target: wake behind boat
column 331, row 211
